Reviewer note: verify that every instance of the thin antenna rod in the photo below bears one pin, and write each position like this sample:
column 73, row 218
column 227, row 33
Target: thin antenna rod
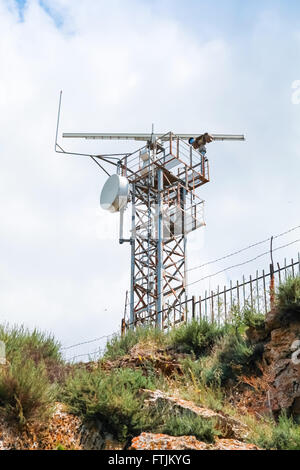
column 58, row 118
column 59, row 149
column 97, row 163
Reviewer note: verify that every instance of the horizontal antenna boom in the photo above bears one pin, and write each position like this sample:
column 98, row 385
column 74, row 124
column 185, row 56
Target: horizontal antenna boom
column 147, row 137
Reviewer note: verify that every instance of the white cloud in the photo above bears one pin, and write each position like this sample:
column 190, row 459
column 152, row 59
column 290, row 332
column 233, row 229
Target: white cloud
column 121, row 68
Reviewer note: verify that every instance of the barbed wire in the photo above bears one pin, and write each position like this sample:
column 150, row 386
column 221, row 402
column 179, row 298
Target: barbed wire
column 243, row 263
column 179, row 304
column 197, row 281
column 97, row 351
column 88, row 342
column 243, row 249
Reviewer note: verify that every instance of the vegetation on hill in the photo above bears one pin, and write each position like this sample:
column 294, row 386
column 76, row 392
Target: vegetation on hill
column 288, row 299
column 27, row 387
column 210, row 364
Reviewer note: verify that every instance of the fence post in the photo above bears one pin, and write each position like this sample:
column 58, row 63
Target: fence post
column 200, row 309
column 193, row 307
column 123, row 327
column 272, row 287
column 265, row 295
column 225, row 303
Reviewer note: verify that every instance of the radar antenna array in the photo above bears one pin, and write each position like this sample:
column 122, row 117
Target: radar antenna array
column 162, row 181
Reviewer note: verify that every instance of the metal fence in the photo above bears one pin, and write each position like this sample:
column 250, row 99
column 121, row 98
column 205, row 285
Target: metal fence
column 220, row 304
column 257, row 293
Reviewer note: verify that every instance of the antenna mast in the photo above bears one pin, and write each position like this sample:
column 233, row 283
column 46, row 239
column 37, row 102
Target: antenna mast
column 163, row 179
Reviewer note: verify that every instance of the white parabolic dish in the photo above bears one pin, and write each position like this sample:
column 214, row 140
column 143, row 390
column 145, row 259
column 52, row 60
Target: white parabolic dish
column 114, row 195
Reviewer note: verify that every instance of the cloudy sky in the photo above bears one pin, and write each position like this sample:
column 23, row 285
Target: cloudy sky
column 188, row 66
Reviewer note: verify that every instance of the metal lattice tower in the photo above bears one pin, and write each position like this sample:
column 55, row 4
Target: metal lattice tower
column 164, row 179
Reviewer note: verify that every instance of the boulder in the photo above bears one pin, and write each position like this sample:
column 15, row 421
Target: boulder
column 230, row 427
column 282, row 354
column 63, row 430
column 272, row 320
column 143, row 355
column 148, row 441
column 256, row 335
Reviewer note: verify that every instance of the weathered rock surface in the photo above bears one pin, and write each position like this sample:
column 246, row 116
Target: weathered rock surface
column 272, row 320
column 148, row 441
column 230, row 427
column 282, row 356
column 256, row 335
column 142, row 355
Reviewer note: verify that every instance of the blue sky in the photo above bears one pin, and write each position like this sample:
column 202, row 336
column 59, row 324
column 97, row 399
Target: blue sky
column 47, row 7
column 222, row 66
column 230, row 17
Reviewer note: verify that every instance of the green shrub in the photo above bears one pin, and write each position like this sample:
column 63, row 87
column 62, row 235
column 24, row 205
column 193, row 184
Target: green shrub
column 188, row 424
column 245, row 317
column 34, row 344
column 288, row 298
column 194, row 388
column 231, row 358
column 197, row 337
column 253, row 319
column 114, row 398
column 285, row 435
column 60, row 447
column 120, row 346
column 25, row 392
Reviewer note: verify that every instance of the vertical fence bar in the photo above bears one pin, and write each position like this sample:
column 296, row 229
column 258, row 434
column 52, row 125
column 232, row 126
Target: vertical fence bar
column 244, row 291
column 231, row 295
column 218, row 305
column 257, row 292
column 205, row 306
column 265, row 292
column 279, row 273
column 225, row 303
column 200, row 308
column 293, row 269
column 251, row 293
column 174, row 317
column 123, row 327
column 238, row 295
column 285, row 275
column 212, row 308
column 193, row 307
column 272, row 287
column 298, row 263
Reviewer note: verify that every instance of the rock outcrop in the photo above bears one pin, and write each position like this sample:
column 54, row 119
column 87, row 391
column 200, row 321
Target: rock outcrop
column 143, row 355
column 230, row 427
column 282, row 355
column 64, row 431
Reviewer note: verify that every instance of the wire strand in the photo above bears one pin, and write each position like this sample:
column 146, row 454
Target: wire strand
column 242, row 264
column 87, row 342
column 97, row 351
column 242, row 250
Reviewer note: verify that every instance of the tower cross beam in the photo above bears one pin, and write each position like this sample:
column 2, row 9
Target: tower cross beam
column 145, row 137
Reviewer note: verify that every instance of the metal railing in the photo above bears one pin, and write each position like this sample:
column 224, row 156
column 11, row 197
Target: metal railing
column 184, row 162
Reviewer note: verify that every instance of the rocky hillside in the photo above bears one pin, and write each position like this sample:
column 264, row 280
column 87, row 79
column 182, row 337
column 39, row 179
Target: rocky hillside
column 201, row 386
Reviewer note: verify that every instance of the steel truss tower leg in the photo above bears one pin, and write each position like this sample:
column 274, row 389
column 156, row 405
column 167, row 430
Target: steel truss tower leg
column 159, row 304
column 157, row 261
column 133, row 235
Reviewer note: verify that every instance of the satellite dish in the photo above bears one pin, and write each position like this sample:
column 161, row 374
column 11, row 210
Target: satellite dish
column 114, row 195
